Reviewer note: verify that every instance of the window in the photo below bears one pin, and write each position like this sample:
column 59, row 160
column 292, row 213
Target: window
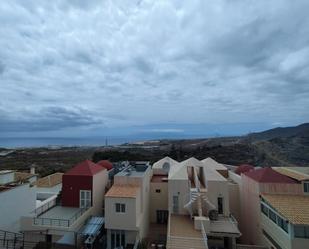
column 118, row 239
column 84, row 198
column 272, row 216
column 175, row 204
column 220, row 205
column 120, row 208
column 301, row 231
column 264, row 209
column 282, row 223
column 158, row 190
column 306, row 187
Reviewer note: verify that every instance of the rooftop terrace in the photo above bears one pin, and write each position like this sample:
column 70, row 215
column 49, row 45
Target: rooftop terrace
column 136, row 170
column 59, row 216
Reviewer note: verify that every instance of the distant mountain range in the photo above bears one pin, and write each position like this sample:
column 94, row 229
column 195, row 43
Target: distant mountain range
column 282, row 132
column 275, row 147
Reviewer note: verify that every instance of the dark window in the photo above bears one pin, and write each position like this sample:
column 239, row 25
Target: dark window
column 158, row 190
column 220, row 205
column 120, row 208
column 301, row 231
column 282, row 223
column 306, row 187
column 264, row 209
column 117, row 207
column 123, row 239
column 123, row 208
column 113, row 240
column 272, row 215
column 175, row 204
column 117, row 239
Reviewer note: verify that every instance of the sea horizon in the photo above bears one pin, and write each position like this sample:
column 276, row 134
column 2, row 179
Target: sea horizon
column 37, row 142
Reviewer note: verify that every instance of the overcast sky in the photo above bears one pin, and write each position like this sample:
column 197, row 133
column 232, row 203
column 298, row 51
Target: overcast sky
column 88, row 67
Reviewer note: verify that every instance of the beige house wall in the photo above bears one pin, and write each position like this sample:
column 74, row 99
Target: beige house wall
column 137, row 213
column 158, row 201
column 217, row 189
column 178, row 188
column 250, row 211
column 100, row 182
column 250, row 222
column 145, row 207
column 234, row 200
column 298, row 243
column 122, row 221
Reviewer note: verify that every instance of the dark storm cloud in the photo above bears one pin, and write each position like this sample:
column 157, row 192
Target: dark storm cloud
column 46, row 119
column 128, row 62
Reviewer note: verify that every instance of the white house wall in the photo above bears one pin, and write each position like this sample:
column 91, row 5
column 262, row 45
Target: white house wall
column 14, row 203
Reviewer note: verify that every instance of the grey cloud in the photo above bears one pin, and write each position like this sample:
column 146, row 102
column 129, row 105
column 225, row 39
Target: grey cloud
column 2, row 68
column 47, row 119
column 151, row 62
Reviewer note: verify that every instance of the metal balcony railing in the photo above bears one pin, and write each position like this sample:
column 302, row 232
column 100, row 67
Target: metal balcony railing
column 52, row 222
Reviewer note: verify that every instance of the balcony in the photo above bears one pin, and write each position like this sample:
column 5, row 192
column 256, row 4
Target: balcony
column 59, row 216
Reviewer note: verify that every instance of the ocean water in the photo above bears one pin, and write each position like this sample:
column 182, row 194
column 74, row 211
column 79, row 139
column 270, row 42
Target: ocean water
column 13, row 142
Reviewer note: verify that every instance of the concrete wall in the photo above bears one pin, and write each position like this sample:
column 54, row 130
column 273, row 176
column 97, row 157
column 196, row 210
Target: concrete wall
column 250, row 211
column 235, row 177
column 298, row 243
column 217, row 189
column 250, row 222
column 100, row 181
column 234, row 200
column 55, row 189
column 178, row 188
column 158, row 201
column 145, row 211
column 7, row 177
column 122, row 221
column 14, row 203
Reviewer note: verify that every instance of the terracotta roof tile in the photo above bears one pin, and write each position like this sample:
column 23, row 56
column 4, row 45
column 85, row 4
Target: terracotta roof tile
column 124, row 191
column 268, row 175
column 292, row 174
column 243, row 168
column 292, row 207
column 86, row 168
column 105, row 164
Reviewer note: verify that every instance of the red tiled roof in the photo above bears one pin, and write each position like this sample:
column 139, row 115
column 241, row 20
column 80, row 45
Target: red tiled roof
column 243, row 168
column 85, row 168
column 268, row 175
column 105, row 164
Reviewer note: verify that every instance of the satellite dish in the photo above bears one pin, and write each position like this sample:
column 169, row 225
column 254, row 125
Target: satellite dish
column 166, row 167
column 213, row 214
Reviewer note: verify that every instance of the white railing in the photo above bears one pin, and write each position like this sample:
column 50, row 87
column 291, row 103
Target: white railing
column 241, row 246
column 38, row 211
column 205, row 239
column 136, row 242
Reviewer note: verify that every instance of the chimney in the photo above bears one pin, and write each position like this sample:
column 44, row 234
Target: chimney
column 32, row 170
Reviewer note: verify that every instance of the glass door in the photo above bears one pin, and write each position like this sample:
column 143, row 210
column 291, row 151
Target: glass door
column 84, row 198
column 118, row 239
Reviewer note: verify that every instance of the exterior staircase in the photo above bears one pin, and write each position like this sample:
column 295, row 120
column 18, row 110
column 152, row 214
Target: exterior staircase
column 185, row 243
